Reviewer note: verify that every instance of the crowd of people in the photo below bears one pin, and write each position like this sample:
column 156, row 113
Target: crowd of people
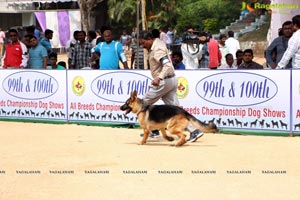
column 194, row 50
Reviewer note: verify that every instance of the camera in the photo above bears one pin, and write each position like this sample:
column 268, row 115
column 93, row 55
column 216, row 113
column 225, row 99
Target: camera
column 191, row 37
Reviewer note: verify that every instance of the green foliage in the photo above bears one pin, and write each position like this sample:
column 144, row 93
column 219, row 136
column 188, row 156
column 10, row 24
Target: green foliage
column 207, row 15
column 210, row 25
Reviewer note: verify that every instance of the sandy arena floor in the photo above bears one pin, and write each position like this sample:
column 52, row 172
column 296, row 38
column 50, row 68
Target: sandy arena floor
column 71, row 162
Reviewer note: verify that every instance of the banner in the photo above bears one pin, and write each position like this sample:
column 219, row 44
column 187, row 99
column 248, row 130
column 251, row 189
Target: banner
column 232, row 99
column 36, row 95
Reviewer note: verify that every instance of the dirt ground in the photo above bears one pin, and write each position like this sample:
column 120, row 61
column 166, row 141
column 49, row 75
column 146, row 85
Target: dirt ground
column 75, row 162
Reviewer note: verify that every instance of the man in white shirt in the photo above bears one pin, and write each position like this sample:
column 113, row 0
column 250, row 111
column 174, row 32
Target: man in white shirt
column 229, row 62
column 293, row 50
column 162, row 35
column 232, row 44
column 170, row 37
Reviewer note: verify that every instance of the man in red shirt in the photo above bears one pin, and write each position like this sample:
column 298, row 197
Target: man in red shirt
column 15, row 56
column 215, row 55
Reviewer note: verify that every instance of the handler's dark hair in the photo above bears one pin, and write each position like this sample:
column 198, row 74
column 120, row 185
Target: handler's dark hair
column 145, row 35
column 296, row 20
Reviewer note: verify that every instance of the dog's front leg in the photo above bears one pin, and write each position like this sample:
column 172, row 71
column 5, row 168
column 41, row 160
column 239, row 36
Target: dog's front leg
column 146, row 134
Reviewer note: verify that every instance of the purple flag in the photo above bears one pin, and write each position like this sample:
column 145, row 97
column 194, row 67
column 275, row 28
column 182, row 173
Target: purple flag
column 63, row 27
column 41, row 17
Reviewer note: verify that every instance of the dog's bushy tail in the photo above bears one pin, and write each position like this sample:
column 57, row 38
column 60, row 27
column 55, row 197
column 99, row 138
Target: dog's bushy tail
column 205, row 128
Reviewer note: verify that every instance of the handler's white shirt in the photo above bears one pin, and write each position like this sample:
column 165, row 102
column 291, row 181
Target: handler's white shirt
column 293, row 51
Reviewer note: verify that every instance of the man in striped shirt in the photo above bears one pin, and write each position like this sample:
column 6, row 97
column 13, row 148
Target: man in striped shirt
column 82, row 52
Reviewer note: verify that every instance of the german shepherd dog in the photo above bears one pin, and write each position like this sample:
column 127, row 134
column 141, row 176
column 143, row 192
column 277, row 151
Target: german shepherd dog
column 162, row 117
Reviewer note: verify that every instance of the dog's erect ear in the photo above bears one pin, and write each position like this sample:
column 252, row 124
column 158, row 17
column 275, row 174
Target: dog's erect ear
column 133, row 94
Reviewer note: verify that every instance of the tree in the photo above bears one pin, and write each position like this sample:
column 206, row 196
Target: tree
column 86, row 7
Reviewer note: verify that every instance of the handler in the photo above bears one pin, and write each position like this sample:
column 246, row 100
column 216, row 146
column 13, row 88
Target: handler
column 164, row 83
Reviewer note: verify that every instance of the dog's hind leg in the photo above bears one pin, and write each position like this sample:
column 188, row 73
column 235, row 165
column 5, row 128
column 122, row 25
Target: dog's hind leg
column 164, row 134
column 146, row 134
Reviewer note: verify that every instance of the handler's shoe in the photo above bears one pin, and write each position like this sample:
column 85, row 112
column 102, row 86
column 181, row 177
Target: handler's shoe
column 153, row 134
column 195, row 135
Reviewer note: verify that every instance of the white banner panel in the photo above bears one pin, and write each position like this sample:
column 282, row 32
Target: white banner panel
column 296, row 100
column 237, row 99
column 33, row 94
column 96, row 95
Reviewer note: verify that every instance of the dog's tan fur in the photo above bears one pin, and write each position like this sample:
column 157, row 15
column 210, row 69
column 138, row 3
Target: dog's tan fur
column 175, row 124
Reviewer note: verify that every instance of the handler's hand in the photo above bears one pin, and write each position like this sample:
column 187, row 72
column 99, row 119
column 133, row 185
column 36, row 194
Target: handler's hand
column 156, row 81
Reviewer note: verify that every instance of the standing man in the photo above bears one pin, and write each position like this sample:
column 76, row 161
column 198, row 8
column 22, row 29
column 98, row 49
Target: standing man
column 293, row 50
column 137, row 56
column 248, row 62
column 215, row 55
column 15, row 56
column 2, row 38
column 170, row 37
column 164, row 83
column 279, row 46
column 125, row 40
column 38, row 56
column 82, row 52
column 162, row 35
column 70, row 47
column 232, row 43
column 110, row 53
column 223, row 48
column 45, row 42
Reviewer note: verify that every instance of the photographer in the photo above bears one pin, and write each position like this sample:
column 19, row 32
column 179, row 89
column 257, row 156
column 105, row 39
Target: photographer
column 191, row 49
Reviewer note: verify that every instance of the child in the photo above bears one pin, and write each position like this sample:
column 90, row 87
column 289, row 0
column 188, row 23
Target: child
column 53, row 60
column 177, row 60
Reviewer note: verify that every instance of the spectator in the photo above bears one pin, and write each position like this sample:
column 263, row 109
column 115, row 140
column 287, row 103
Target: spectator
column 82, row 52
column 239, row 57
column 191, row 50
column 38, row 56
column 215, row 55
column 30, row 30
column 36, row 32
column 248, row 63
column 232, row 43
column 137, row 57
column 229, row 62
column 110, row 53
column 2, row 39
column 279, row 46
column 134, row 33
column 26, row 41
column 177, row 39
column 162, row 35
column 53, row 62
column 15, row 55
column 177, row 60
column 223, row 48
column 125, row 40
column 92, row 38
column 45, row 41
column 293, row 50
column 70, row 47
column 169, row 37
column 205, row 57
